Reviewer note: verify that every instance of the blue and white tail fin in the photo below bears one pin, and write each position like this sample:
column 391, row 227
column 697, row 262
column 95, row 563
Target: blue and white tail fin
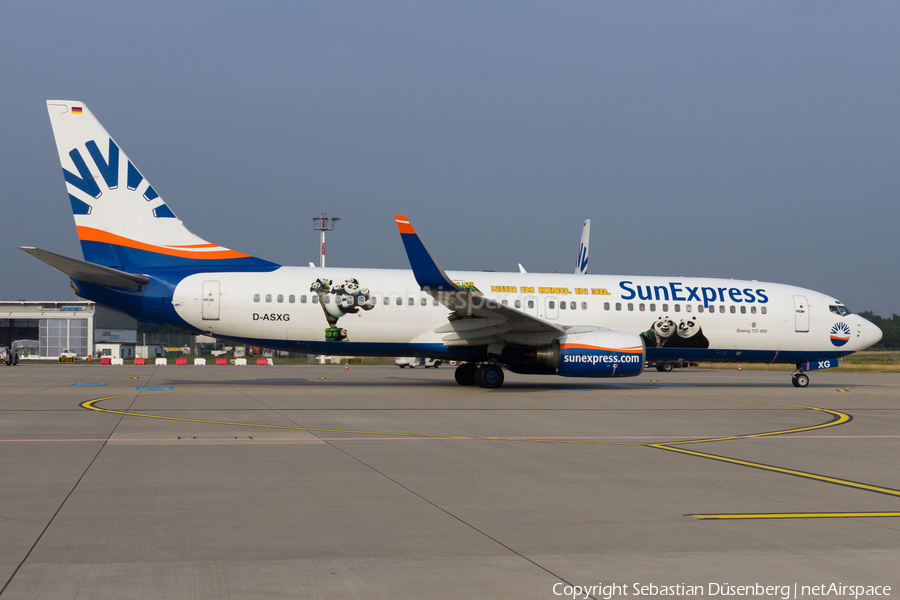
column 122, row 221
column 581, row 262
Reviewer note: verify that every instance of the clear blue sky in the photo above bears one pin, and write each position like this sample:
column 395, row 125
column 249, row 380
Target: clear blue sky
column 754, row 140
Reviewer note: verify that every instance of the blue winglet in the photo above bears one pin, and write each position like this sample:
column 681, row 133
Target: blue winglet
column 426, row 269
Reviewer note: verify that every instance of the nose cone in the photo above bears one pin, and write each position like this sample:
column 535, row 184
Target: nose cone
column 871, row 334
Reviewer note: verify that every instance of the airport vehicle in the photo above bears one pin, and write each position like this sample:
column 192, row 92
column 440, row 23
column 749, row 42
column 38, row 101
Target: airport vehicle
column 8, row 357
column 413, row 361
column 140, row 258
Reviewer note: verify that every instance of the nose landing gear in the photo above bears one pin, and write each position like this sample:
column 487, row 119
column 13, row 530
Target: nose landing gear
column 799, row 379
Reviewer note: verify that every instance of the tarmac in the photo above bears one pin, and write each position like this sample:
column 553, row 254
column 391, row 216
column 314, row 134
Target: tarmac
column 316, row 482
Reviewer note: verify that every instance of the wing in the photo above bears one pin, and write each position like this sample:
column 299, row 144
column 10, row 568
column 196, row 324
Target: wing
column 475, row 320
column 80, row 270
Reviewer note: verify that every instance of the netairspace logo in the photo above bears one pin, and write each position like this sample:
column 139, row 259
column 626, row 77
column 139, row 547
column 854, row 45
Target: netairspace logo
column 785, row 592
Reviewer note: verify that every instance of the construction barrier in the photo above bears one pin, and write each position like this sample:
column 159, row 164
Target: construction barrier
column 199, row 362
column 221, row 361
column 140, row 361
column 106, row 360
column 180, row 361
column 240, row 362
column 118, row 362
column 162, row 361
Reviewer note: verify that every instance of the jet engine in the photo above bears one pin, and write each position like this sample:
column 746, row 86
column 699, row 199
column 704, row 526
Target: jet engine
column 595, row 354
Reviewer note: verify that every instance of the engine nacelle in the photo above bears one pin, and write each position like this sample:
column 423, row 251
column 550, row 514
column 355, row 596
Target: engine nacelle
column 595, row 354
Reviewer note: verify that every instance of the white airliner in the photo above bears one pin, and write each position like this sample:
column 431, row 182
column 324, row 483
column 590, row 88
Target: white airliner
column 139, row 258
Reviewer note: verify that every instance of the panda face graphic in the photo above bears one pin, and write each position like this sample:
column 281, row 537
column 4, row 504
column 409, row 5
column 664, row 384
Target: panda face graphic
column 320, row 285
column 664, row 327
column 687, row 328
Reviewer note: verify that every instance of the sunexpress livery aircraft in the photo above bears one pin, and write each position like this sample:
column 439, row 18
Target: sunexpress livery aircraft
column 139, row 258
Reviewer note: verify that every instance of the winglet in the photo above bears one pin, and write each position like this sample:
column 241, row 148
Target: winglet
column 426, row 269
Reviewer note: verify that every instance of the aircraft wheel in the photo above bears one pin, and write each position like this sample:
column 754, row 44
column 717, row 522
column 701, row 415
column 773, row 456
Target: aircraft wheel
column 489, row 376
column 465, row 374
column 800, row 380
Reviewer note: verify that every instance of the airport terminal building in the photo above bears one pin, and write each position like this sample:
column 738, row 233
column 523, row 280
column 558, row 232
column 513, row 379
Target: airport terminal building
column 55, row 326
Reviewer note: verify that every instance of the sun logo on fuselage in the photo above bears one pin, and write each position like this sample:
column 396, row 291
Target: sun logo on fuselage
column 840, row 334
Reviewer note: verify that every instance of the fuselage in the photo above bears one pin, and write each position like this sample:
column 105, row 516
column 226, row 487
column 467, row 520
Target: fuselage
column 726, row 319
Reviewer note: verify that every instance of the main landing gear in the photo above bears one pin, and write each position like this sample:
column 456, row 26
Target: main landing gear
column 486, row 375
column 800, row 379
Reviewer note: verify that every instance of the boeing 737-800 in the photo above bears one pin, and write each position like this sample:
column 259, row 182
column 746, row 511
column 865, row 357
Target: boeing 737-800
column 139, row 258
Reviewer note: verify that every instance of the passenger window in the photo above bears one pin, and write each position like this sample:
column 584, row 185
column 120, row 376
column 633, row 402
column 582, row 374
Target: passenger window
column 551, row 305
column 303, row 299
column 572, row 305
column 280, row 298
column 687, row 308
column 531, row 304
column 518, row 304
column 606, row 306
column 630, row 306
column 722, row 308
column 665, row 307
column 424, row 302
column 762, row 309
column 752, row 310
column 292, row 299
column 731, row 309
column 652, row 308
column 699, row 308
column 268, row 297
column 434, row 302
column 314, row 298
column 743, row 310
column 399, row 301
column 712, row 309
column 677, row 308
column 505, row 303
column 618, row 306
column 256, row 297
column 327, row 299
column 641, row 307
column 562, row 305
column 411, row 302
column 584, row 306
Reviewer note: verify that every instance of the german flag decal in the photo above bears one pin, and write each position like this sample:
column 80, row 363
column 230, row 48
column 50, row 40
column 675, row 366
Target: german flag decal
column 76, row 110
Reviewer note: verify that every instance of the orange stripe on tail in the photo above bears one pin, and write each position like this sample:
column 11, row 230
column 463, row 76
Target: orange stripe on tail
column 89, row 234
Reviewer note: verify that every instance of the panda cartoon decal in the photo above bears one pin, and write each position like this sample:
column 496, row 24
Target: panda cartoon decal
column 688, row 335
column 665, row 334
column 659, row 333
column 346, row 298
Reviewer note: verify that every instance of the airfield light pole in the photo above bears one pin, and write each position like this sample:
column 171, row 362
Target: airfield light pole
column 323, row 224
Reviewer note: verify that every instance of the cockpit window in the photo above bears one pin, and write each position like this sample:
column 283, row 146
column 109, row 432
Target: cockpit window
column 839, row 310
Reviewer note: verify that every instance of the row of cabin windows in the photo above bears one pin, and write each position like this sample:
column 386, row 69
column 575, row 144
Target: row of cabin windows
column 562, row 305
column 327, row 300
column 688, row 308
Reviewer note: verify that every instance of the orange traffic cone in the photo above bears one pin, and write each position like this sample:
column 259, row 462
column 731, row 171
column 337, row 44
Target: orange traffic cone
column 347, row 366
column 739, row 367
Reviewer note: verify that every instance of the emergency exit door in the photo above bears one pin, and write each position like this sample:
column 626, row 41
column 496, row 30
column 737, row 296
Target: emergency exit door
column 801, row 314
column 209, row 307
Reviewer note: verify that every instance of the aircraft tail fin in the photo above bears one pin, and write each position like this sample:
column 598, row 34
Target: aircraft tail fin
column 581, row 263
column 122, row 221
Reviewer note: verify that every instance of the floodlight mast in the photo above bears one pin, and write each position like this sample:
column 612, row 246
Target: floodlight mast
column 323, row 224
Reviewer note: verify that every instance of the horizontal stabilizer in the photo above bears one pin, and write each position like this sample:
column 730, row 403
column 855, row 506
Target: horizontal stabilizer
column 80, row 270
